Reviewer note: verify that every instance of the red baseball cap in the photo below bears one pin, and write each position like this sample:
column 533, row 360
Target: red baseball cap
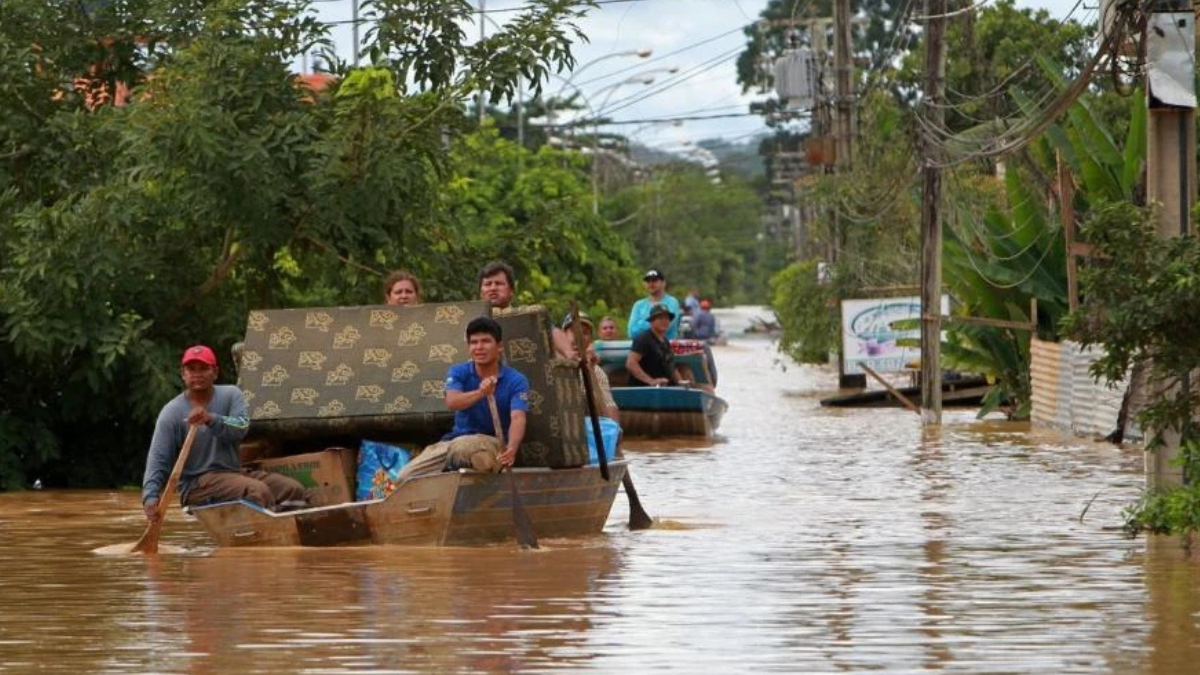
column 199, row 353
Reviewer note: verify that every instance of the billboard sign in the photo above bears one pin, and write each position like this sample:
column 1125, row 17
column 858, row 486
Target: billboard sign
column 872, row 330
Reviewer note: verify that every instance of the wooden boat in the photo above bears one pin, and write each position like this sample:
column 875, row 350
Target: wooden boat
column 664, row 411
column 319, row 380
column 668, row 411
column 461, row 508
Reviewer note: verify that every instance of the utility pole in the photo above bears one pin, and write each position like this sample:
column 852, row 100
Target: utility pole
column 843, row 131
column 482, row 37
column 931, row 219
column 1170, row 166
column 354, row 32
column 843, row 139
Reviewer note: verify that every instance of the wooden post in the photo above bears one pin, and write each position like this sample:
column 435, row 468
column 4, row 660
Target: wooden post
column 843, row 130
column 931, row 223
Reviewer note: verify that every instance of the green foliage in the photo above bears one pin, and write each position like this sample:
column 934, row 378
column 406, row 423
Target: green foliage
column 425, row 46
column 869, row 218
column 128, row 233
column 875, row 36
column 1000, row 251
column 988, row 68
column 1175, row 511
column 534, row 211
column 700, row 235
column 808, row 312
column 1143, row 307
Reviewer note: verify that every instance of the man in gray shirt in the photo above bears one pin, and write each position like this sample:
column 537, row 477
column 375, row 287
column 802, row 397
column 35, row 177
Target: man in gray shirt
column 213, row 470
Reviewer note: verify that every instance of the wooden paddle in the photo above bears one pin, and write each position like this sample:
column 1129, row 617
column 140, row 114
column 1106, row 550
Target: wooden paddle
column 638, row 518
column 522, row 525
column 585, row 369
column 149, row 541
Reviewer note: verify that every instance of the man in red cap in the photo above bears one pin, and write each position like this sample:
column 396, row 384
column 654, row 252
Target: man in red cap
column 213, row 470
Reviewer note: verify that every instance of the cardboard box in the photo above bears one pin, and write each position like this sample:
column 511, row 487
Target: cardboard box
column 328, row 474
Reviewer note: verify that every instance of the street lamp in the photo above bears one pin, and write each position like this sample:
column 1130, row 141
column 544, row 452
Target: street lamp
column 595, row 113
column 568, row 81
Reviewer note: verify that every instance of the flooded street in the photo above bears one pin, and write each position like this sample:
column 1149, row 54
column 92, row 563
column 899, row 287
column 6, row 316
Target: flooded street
column 801, row 540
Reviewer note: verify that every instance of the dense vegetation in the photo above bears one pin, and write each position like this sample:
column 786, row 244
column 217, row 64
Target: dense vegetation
column 1143, row 306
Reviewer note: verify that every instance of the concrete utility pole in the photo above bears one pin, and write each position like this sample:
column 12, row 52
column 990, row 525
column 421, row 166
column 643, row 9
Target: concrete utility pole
column 931, row 219
column 354, row 33
column 1170, row 162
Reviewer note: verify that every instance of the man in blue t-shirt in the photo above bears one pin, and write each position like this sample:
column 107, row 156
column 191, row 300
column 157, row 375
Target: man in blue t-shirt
column 656, row 294
column 472, row 443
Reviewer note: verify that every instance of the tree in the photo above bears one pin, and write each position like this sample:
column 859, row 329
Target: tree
column 127, row 233
column 882, row 33
column 534, row 210
column 700, row 235
column 994, row 61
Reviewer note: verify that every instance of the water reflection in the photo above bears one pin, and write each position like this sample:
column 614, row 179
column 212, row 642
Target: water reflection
column 802, row 540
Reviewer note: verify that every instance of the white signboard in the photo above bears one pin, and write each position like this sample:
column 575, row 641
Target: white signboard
column 872, row 330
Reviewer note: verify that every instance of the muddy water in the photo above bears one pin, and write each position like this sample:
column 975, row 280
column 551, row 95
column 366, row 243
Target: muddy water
column 802, row 540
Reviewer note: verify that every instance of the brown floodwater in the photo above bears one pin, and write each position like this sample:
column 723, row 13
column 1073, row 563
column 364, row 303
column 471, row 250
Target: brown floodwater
column 801, row 540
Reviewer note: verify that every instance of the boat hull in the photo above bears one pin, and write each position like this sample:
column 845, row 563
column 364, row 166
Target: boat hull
column 449, row 509
column 668, row 411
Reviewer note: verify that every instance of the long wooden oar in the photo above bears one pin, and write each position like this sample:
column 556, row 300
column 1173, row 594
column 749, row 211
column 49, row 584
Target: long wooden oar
column 585, row 369
column 522, row 525
column 638, row 518
column 149, row 541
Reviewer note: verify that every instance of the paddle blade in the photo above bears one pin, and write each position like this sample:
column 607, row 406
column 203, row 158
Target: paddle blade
column 638, row 518
column 149, row 541
column 522, row 525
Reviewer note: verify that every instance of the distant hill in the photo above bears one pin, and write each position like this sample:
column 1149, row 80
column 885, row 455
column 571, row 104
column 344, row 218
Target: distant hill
column 741, row 158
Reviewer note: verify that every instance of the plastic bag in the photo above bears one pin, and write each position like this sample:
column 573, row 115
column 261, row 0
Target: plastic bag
column 379, row 466
column 610, row 431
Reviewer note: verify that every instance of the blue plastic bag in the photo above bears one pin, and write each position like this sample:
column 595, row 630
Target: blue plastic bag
column 610, row 431
column 379, row 467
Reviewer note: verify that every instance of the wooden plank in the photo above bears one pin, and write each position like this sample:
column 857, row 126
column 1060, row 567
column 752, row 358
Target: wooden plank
column 984, row 321
column 891, row 390
column 1082, row 250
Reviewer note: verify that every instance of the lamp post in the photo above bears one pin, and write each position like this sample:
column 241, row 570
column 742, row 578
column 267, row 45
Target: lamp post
column 569, row 81
column 595, row 113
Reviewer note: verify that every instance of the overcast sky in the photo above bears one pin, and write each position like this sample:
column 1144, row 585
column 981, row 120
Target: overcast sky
column 701, row 38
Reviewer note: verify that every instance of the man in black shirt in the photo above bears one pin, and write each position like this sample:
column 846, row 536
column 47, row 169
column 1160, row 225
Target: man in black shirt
column 650, row 361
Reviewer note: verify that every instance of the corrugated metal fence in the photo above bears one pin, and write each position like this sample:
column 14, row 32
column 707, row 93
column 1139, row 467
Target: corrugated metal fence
column 1065, row 397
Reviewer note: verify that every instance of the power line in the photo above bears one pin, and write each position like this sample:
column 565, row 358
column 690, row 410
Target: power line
column 656, row 59
column 652, row 120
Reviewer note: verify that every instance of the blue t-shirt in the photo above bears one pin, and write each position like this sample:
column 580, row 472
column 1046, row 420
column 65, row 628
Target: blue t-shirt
column 512, row 393
column 639, row 317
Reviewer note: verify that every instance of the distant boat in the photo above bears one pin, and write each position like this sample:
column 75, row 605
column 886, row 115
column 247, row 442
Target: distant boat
column 664, row 411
